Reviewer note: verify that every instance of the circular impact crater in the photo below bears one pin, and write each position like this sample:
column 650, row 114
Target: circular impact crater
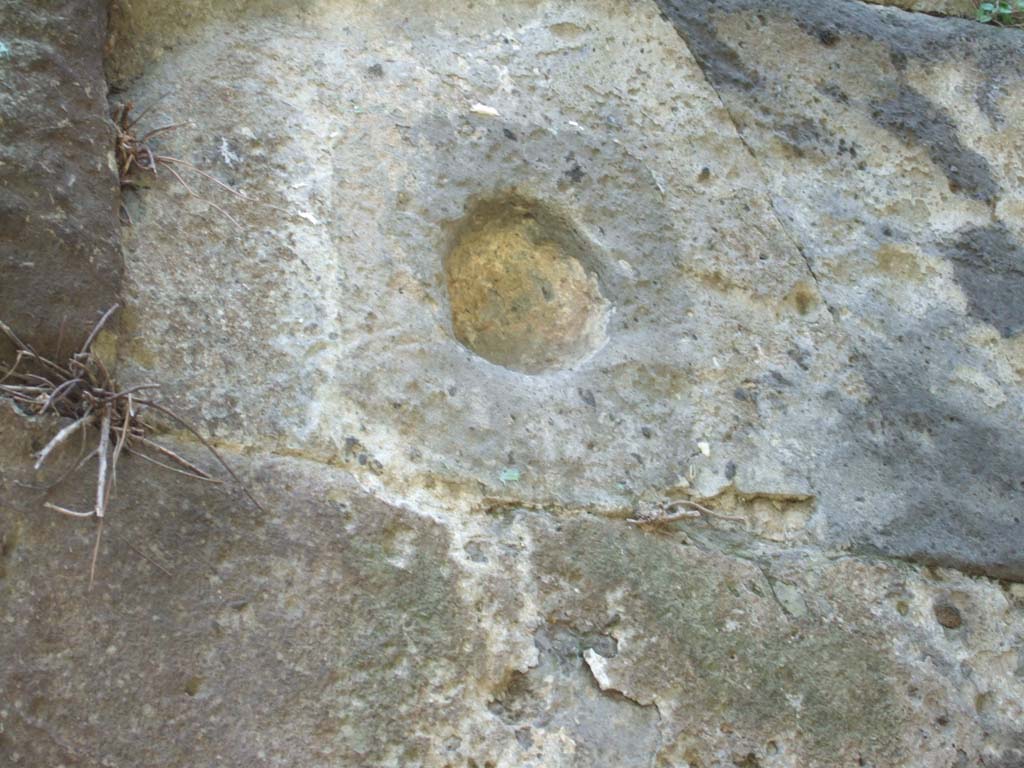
column 523, row 287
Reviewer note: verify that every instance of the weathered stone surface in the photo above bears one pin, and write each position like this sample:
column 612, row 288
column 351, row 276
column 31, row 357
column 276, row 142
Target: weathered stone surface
column 59, row 257
column 506, row 274
column 966, row 8
column 346, row 291
column 916, row 252
column 336, row 629
column 757, row 309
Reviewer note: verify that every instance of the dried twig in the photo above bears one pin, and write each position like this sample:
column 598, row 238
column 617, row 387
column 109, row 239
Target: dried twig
column 81, row 462
column 61, row 436
column 135, row 153
column 190, row 468
column 142, row 554
column 66, row 511
column 101, row 483
column 194, row 194
column 181, row 422
column 85, row 392
column 661, row 514
column 95, row 553
column 96, row 331
column 204, row 477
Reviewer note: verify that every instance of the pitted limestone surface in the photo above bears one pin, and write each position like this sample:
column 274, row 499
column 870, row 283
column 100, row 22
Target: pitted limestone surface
column 520, row 294
column 812, row 329
column 917, row 252
column 600, row 228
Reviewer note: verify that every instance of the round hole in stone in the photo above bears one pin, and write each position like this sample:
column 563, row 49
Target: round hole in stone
column 523, row 287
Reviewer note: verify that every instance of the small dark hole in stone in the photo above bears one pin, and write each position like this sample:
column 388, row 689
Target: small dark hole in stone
column 948, row 615
column 193, row 684
column 828, row 37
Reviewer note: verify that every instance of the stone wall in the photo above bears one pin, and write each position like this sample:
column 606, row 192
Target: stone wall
column 59, row 255
column 496, row 277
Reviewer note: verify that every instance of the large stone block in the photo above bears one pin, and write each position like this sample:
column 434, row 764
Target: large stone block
column 60, row 265
column 891, row 148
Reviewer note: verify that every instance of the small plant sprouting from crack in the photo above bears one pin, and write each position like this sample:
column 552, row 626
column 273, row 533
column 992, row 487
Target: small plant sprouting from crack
column 83, row 390
column 136, row 153
column 1003, row 13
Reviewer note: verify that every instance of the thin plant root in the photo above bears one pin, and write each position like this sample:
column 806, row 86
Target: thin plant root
column 66, row 511
column 135, row 153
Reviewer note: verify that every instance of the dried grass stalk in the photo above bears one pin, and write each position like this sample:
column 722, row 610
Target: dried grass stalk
column 84, row 391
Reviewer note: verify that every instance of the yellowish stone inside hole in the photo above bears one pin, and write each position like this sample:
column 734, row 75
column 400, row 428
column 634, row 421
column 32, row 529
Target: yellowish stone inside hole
column 518, row 298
